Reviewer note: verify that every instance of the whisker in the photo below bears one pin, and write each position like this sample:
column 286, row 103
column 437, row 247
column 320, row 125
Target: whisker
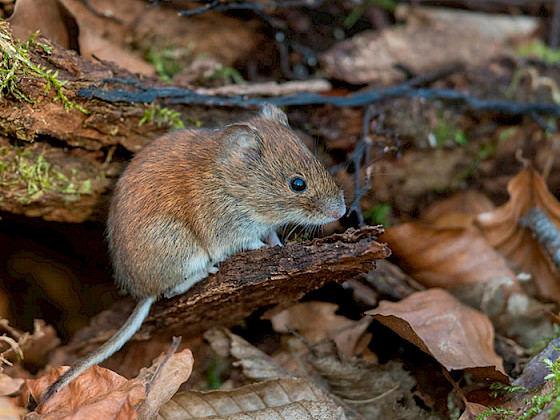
column 289, row 234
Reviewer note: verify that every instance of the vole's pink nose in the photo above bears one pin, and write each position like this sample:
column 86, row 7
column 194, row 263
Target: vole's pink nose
column 337, row 211
column 337, row 214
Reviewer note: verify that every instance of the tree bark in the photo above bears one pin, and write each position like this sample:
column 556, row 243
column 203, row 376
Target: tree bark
column 250, row 281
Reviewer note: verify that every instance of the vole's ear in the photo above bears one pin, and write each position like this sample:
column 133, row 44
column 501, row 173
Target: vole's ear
column 239, row 141
column 275, row 114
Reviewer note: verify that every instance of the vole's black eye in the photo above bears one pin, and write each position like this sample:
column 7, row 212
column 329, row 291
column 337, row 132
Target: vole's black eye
column 298, row 184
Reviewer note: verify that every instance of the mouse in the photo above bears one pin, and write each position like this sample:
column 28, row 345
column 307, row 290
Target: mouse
column 192, row 198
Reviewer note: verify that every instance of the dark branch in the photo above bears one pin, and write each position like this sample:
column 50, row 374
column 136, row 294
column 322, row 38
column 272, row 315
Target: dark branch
column 216, row 6
column 188, row 97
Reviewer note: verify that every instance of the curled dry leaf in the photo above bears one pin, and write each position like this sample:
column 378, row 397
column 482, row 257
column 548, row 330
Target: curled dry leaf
column 461, row 261
column 8, row 411
column 37, row 346
column 316, row 321
column 431, row 39
column 255, row 363
column 447, row 257
column 472, row 411
column 287, row 398
column 170, row 374
column 9, row 385
column 458, row 210
column 502, row 230
column 375, row 391
column 97, row 394
column 50, row 17
column 456, row 335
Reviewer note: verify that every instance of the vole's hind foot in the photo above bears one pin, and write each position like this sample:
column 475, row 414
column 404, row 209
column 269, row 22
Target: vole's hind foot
column 186, row 285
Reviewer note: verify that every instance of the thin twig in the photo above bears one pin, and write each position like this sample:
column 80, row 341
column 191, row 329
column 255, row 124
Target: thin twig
column 554, row 34
column 170, row 351
column 361, row 152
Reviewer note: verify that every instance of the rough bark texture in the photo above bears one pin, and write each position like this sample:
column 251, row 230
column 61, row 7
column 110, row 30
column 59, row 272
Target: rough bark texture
column 247, row 282
column 83, row 152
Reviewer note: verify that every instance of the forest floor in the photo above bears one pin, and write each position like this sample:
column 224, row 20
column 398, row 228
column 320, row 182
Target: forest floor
column 440, row 122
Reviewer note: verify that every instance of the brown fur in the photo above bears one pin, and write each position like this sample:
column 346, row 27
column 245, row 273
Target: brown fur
column 192, row 198
column 190, row 193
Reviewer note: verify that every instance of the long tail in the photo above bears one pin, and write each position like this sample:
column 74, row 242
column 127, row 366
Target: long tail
column 110, row 347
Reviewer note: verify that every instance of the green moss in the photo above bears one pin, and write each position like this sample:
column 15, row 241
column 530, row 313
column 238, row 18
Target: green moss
column 225, row 75
column 496, row 412
column 447, row 132
column 38, row 176
column 15, row 64
column 355, row 15
column 541, row 51
column 169, row 61
column 379, row 214
column 165, row 117
column 215, row 373
column 537, row 404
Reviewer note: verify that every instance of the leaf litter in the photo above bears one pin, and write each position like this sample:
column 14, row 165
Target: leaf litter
column 323, row 365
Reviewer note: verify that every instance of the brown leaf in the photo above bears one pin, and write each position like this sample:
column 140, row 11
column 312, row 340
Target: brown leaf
column 174, row 372
column 431, row 39
column 446, row 257
column 49, row 17
column 502, row 231
column 288, row 398
column 93, row 45
column 316, row 321
column 461, row 261
column 376, row 391
column 473, row 411
column 98, row 393
column 255, row 363
column 458, row 210
column 9, row 385
column 37, row 346
column 456, row 335
column 8, row 411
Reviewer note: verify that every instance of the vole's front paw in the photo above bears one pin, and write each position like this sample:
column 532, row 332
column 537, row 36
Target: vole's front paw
column 272, row 239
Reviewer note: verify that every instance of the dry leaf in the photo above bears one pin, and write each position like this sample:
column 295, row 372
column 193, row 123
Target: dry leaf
column 97, row 394
column 93, row 45
column 502, row 231
column 37, row 346
column 447, row 257
column 473, row 411
column 461, row 261
column 9, row 385
column 174, row 372
column 255, row 363
column 49, row 17
column 8, row 411
column 431, row 39
column 457, row 211
column 456, row 335
column 375, row 391
column 287, row 398
column 316, row 321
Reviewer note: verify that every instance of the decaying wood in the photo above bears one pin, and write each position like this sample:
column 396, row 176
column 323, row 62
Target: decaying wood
column 247, row 282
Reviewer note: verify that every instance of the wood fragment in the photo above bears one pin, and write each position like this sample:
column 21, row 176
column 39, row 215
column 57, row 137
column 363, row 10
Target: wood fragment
column 247, row 282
